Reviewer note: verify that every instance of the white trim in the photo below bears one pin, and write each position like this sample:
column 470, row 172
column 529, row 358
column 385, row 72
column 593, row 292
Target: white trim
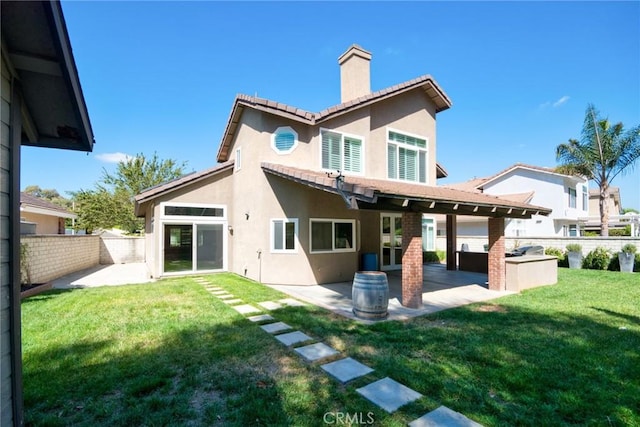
column 418, row 149
column 194, row 236
column 237, row 164
column 193, row 218
column 333, row 222
column 349, row 135
column 284, row 129
column 296, row 242
column 392, row 216
column 576, row 179
column 48, row 212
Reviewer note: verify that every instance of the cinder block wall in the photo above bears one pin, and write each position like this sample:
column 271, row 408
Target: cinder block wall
column 53, row 256
column 121, row 250
column 476, row 243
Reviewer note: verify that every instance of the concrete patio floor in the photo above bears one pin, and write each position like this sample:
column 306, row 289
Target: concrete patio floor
column 442, row 289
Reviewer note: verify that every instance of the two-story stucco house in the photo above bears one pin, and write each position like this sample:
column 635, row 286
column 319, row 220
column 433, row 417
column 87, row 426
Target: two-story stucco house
column 298, row 197
column 567, row 197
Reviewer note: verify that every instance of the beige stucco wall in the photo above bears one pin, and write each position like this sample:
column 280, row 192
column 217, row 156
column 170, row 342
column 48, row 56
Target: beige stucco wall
column 45, row 224
column 121, row 250
column 216, row 190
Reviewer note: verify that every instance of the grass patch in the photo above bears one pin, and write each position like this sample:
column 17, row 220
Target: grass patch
column 171, row 353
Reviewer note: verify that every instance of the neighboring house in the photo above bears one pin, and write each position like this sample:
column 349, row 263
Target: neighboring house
column 39, row 216
column 567, row 197
column 591, row 221
column 42, row 105
column 276, row 209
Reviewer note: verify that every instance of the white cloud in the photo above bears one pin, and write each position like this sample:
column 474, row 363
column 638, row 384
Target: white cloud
column 113, row 157
column 561, row 101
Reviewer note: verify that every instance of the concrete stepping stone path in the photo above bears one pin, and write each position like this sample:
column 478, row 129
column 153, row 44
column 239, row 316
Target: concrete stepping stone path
column 443, row 416
column 225, row 296
column 274, row 328
column 316, row 351
column 246, row 309
column 270, row 305
column 344, row 370
column 293, row 338
column 389, row 394
column 261, row 318
column 218, row 292
column 232, row 301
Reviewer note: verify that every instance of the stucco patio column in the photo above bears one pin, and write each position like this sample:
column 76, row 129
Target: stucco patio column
column 412, row 259
column 497, row 267
column 452, row 234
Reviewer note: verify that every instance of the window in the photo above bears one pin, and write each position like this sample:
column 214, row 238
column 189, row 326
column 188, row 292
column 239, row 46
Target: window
column 238, row 162
column 341, row 152
column 284, row 233
column 406, row 157
column 585, row 198
column 193, row 211
column 572, row 197
column 571, row 230
column 332, row 235
column 284, row 140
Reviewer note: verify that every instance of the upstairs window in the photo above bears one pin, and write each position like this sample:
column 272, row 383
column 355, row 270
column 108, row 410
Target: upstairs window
column 341, row 152
column 585, row 198
column 284, row 140
column 238, row 161
column 406, row 157
column 572, row 197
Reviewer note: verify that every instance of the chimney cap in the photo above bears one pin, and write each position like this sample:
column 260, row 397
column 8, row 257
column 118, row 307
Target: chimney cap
column 354, row 49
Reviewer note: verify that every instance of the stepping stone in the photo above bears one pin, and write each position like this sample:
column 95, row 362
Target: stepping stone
column 443, row 416
column 291, row 302
column 270, row 305
column 316, row 351
column 261, row 318
column 273, row 328
column 389, row 394
column 293, row 338
column 246, row 309
column 220, row 292
column 232, row 301
column 345, row 370
column 225, row 296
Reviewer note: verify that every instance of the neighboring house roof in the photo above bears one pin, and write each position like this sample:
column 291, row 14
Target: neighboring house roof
column 158, row 190
column 441, row 172
column 519, row 197
column 477, row 184
column 426, row 82
column 37, row 205
column 35, row 37
column 398, row 195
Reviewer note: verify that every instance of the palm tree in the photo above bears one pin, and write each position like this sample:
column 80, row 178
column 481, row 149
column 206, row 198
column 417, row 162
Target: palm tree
column 603, row 152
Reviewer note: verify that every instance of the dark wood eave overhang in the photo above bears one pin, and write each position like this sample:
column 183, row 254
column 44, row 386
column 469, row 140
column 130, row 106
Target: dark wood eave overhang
column 37, row 50
column 385, row 195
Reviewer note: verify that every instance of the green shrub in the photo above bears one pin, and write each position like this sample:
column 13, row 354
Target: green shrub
column 574, row 247
column 430, row 256
column 558, row 253
column 597, row 259
column 614, row 264
column 629, row 248
column 590, row 234
column 616, row 232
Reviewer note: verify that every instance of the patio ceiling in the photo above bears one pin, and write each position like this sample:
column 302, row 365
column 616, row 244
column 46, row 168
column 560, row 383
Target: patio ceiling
column 395, row 196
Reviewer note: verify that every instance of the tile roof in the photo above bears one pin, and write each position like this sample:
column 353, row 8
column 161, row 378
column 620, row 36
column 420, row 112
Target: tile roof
column 369, row 190
column 174, row 184
column 38, row 202
column 426, row 82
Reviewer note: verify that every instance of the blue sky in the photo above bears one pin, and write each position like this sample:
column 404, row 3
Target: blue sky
column 162, row 76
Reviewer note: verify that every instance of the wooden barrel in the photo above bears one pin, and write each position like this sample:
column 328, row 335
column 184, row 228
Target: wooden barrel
column 370, row 295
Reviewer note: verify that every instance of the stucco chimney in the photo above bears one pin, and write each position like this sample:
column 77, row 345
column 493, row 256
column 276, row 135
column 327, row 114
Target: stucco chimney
column 355, row 76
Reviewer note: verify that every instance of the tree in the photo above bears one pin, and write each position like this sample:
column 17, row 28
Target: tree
column 48, row 194
column 111, row 203
column 603, row 152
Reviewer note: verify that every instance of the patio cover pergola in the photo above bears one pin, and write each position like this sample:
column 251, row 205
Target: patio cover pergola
column 412, row 200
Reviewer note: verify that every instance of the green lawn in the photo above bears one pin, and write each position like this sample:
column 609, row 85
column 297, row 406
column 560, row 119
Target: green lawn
column 170, row 353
